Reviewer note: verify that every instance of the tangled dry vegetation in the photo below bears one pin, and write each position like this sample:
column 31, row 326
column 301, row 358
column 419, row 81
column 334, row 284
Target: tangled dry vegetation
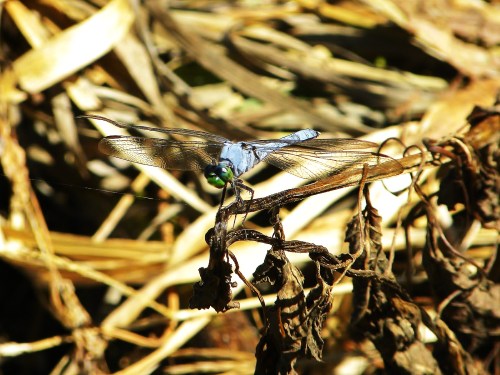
column 389, row 268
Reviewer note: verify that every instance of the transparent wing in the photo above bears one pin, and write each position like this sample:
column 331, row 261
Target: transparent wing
column 340, row 144
column 163, row 153
column 169, row 131
column 322, row 159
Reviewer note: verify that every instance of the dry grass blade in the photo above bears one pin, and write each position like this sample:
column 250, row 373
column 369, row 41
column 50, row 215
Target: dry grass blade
column 56, row 58
column 437, row 35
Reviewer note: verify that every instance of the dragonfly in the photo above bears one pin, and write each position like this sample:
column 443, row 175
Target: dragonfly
column 223, row 161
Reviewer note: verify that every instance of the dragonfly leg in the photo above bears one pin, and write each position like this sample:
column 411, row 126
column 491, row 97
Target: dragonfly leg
column 240, row 185
column 223, row 196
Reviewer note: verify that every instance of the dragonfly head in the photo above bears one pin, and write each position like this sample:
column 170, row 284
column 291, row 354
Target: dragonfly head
column 218, row 175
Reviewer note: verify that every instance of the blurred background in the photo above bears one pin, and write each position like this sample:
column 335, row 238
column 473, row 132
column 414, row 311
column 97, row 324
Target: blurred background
column 98, row 256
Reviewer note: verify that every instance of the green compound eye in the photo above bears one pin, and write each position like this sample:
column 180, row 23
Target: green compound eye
column 225, row 173
column 215, row 181
column 218, row 175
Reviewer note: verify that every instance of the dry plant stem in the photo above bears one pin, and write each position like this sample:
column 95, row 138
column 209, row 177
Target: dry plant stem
column 489, row 266
column 248, row 283
column 399, row 220
column 339, row 181
column 347, row 265
column 62, row 295
column 362, row 190
column 445, row 302
column 432, row 217
column 120, row 209
column 13, row 349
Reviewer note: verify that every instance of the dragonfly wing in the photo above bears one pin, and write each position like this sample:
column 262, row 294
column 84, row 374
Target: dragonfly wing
column 169, row 131
column 163, row 153
column 340, row 144
column 312, row 163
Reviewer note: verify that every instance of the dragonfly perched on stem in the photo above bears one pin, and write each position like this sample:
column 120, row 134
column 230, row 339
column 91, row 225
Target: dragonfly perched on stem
column 224, row 161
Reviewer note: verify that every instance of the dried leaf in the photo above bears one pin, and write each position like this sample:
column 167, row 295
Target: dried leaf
column 74, row 48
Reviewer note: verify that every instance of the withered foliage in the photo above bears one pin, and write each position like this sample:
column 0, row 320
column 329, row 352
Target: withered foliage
column 468, row 294
column 388, row 267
